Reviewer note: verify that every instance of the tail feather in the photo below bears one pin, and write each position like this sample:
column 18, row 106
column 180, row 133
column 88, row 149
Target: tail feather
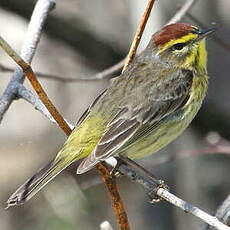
column 37, row 182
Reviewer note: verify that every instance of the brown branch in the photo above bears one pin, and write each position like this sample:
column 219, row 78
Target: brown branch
column 36, row 86
column 118, row 206
column 149, row 182
column 110, row 181
column 138, row 34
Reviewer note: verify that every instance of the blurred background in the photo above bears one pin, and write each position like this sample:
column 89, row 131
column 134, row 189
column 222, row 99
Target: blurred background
column 80, row 39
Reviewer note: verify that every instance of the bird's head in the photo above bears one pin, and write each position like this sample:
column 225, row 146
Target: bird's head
column 180, row 45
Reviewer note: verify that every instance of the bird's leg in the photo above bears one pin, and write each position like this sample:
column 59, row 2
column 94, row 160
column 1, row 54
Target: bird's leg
column 115, row 172
column 140, row 170
column 115, row 163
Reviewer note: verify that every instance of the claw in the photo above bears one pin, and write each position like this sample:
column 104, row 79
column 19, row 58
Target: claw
column 153, row 194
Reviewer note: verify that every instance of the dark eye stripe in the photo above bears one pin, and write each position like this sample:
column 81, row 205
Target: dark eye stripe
column 179, row 46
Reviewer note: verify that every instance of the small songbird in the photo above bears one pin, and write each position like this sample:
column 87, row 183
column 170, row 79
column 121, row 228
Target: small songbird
column 143, row 109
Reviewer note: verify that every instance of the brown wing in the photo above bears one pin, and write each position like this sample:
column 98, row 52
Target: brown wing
column 130, row 124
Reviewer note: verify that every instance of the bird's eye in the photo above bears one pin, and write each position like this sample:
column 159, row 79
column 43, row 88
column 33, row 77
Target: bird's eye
column 178, row 46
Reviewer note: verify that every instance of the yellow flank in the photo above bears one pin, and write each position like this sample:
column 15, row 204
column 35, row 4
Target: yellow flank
column 183, row 39
column 172, row 127
column 144, row 100
column 83, row 139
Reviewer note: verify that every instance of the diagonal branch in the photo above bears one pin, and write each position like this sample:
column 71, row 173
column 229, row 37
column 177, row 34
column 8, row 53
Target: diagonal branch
column 149, row 182
column 34, row 100
column 189, row 208
column 111, row 186
column 152, row 185
column 138, row 34
column 33, row 34
column 223, row 212
column 36, row 85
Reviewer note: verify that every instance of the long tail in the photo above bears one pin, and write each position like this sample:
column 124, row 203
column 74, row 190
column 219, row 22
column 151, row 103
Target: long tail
column 38, row 181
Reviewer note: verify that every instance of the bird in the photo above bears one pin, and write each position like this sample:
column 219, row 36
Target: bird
column 142, row 110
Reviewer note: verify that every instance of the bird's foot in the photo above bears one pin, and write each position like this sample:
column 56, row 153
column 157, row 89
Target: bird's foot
column 153, row 194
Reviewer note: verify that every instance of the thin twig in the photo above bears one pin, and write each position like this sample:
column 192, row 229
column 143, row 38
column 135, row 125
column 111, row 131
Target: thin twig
column 32, row 38
column 103, row 75
column 189, row 208
column 108, row 72
column 138, row 34
column 30, row 97
column 33, row 99
column 182, row 11
column 110, row 181
column 36, row 85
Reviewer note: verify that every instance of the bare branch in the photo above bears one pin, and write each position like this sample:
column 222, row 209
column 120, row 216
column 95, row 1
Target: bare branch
column 30, row 97
column 151, row 184
column 223, row 212
column 117, row 203
column 182, row 11
column 147, row 182
column 108, row 72
column 138, row 35
column 33, row 34
column 156, row 189
column 189, row 208
column 33, row 99
column 103, row 75
column 36, row 86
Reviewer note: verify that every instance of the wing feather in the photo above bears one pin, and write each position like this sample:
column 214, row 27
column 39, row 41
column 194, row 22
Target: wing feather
column 130, row 124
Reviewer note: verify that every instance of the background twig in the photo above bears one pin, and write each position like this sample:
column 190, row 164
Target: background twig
column 138, row 34
column 149, row 183
column 30, row 44
column 182, row 11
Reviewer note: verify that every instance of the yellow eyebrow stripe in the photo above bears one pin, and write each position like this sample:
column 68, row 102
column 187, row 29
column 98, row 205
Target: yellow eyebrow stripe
column 183, row 39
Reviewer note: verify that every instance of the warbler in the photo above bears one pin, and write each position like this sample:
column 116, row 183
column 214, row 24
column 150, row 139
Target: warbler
column 144, row 109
